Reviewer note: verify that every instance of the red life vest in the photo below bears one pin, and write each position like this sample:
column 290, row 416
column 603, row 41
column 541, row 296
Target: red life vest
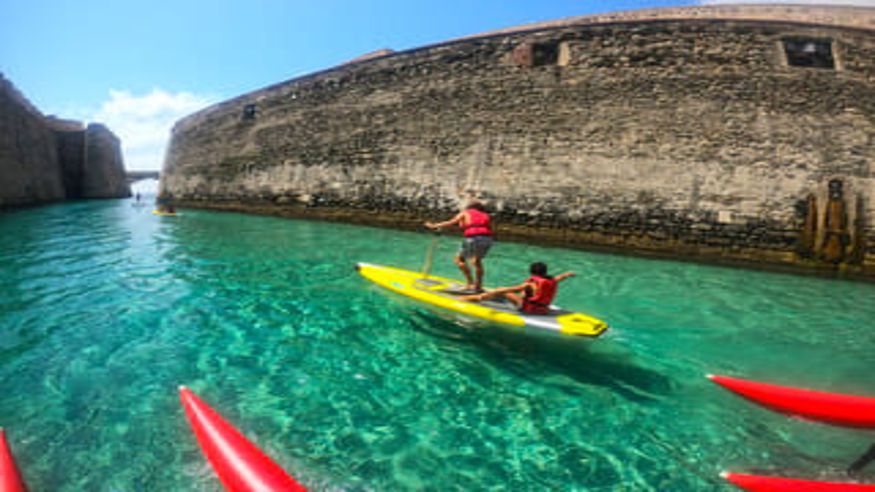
column 477, row 223
column 539, row 301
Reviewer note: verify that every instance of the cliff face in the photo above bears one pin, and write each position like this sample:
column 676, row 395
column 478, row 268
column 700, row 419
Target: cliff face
column 699, row 131
column 46, row 159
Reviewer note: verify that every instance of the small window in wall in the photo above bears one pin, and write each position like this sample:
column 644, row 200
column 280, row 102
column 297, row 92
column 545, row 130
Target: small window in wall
column 809, row 52
column 522, row 55
column 545, row 54
column 249, row 112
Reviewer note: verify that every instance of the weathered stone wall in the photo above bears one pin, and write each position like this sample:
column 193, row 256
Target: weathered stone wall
column 28, row 157
column 686, row 136
column 48, row 159
column 104, row 174
column 70, row 137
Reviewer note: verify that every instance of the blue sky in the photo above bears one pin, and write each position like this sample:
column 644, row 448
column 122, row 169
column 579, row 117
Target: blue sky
column 139, row 66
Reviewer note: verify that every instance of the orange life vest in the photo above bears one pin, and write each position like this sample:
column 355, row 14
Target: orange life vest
column 477, row 223
column 539, row 301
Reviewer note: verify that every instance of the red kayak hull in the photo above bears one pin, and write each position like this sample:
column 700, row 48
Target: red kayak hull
column 820, row 406
column 757, row 483
column 10, row 477
column 240, row 465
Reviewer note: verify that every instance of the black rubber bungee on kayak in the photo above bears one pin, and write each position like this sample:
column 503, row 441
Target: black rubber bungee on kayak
column 862, row 461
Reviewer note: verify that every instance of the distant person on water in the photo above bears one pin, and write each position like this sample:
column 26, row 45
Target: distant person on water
column 474, row 222
column 537, row 291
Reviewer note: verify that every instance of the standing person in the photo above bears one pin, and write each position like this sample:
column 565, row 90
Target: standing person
column 474, row 222
column 538, row 291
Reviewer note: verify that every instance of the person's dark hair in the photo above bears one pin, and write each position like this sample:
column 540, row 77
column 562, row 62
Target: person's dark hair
column 539, row 269
column 476, row 205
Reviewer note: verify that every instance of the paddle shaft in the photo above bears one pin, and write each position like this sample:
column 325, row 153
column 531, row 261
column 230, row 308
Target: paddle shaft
column 429, row 254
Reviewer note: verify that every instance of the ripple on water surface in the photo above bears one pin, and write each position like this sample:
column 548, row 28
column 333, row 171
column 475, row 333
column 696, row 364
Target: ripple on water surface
column 108, row 308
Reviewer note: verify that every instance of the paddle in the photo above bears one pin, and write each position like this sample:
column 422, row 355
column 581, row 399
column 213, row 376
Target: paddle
column 429, row 254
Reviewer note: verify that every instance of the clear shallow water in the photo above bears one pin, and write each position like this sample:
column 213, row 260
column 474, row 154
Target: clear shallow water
column 107, row 308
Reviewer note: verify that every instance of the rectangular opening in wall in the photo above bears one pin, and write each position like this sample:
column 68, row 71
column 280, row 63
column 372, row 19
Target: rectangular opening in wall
column 809, row 52
column 545, row 54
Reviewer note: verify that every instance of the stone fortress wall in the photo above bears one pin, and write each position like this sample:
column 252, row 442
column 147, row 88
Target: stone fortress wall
column 742, row 133
column 45, row 159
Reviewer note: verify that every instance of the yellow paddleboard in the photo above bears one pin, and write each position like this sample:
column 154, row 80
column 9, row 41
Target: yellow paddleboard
column 444, row 293
column 165, row 214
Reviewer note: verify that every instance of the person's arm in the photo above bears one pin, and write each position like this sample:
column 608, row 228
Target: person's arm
column 500, row 291
column 563, row 276
column 440, row 225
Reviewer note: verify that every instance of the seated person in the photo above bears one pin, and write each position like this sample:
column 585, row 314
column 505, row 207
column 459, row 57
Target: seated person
column 538, row 291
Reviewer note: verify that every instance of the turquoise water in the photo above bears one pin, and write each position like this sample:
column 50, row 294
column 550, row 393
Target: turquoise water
column 107, row 309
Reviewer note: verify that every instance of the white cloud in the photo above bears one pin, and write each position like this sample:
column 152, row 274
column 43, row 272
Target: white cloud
column 143, row 122
column 859, row 3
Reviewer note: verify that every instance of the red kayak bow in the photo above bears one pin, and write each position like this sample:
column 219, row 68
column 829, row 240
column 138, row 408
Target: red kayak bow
column 10, row 478
column 829, row 408
column 241, row 466
column 756, row 483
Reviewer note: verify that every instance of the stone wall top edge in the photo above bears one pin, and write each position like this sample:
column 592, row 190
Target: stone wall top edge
column 728, row 13
column 52, row 122
column 17, row 96
column 99, row 130
column 839, row 16
column 64, row 125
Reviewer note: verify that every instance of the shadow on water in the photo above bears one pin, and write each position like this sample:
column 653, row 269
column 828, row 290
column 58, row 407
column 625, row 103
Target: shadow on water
column 597, row 362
